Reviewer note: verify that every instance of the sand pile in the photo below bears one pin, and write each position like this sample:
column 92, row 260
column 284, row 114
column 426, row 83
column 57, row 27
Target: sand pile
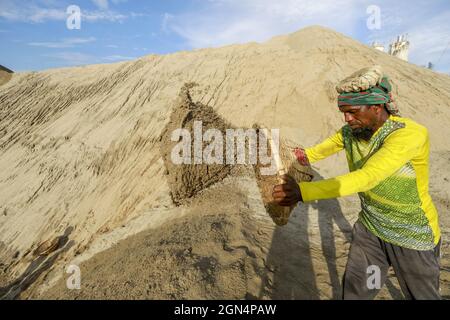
column 212, row 252
column 80, row 150
column 5, row 75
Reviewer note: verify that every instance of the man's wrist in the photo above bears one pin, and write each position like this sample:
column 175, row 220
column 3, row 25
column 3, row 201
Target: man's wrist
column 300, row 191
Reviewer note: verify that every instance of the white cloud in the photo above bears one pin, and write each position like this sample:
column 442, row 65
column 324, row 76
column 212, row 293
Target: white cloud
column 119, row 1
column 167, row 17
column 65, row 43
column 31, row 14
column 139, row 14
column 112, row 46
column 104, row 4
column 42, row 11
column 41, row 15
column 117, row 58
column 238, row 21
column 73, row 58
column 93, row 16
column 101, row 4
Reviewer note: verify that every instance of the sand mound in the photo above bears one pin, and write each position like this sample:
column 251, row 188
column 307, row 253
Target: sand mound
column 80, row 148
column 5, row 75
column 212, row 252
column 223, row 251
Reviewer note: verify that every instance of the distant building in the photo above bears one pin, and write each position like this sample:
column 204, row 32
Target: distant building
column 378, row 46
column 398, row 48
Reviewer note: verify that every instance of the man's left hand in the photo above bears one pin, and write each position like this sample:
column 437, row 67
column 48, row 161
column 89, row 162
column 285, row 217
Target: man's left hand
column 288, row 193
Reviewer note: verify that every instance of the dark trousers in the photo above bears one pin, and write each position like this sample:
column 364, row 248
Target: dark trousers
column 370, row 257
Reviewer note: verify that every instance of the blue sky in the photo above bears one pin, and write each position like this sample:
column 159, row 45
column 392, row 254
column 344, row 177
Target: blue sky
column 34, row 35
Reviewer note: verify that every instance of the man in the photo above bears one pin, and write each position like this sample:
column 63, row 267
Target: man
column 388, row 161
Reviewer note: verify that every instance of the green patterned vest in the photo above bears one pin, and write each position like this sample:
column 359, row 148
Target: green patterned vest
column 391, row 210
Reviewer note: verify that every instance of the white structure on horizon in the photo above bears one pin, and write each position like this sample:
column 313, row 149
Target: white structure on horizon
column 378, row 46
column 398, row 48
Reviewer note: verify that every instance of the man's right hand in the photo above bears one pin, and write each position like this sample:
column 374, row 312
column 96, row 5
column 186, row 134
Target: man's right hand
column 288, row 193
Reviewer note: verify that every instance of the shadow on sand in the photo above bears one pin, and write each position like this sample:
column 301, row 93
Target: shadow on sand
column 289, row 261
column 38, row 266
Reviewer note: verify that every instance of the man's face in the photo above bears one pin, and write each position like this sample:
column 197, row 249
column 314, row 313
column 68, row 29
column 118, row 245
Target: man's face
column 361, row 119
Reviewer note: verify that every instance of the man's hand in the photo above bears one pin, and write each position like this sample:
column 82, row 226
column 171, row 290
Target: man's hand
column 288, row 193
column 301, row 156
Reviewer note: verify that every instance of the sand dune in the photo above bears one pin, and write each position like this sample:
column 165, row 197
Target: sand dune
column 81, row 159
column 5, row 75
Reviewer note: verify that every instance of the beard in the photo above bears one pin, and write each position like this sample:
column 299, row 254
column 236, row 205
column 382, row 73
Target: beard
column 362, row 133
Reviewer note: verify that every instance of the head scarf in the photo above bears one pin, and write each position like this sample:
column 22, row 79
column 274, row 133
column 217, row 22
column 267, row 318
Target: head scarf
column 378, row 94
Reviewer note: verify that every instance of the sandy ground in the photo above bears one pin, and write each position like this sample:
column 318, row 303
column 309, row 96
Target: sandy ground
column 4, row 77
column 229, row 251
column 81, row 159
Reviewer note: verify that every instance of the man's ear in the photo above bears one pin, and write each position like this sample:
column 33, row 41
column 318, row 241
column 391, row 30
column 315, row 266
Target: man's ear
column 379, row 108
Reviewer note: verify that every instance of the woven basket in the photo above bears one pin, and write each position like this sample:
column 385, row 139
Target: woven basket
column 289, row 165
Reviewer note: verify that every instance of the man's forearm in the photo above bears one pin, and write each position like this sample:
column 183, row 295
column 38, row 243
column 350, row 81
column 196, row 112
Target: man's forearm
column 326, row 148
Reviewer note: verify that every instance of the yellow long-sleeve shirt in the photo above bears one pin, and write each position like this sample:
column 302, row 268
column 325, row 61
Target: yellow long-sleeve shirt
column 390, row 173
